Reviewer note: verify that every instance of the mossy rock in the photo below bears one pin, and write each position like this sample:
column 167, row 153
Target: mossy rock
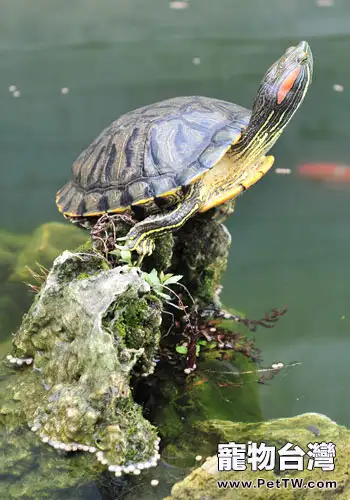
column 10, row 245
column 301, row 430
column 89, row 330
column 200, row 255
column 44, row 245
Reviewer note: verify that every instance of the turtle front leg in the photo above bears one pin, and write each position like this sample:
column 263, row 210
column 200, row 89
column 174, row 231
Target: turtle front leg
column 141, row 237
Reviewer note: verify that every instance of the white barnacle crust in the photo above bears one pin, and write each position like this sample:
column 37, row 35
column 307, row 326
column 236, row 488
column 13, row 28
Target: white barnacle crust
column 19, row 361
column 117, row 473
column 137, row 472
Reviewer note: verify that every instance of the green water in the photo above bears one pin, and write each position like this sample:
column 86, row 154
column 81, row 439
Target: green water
column 290, row 236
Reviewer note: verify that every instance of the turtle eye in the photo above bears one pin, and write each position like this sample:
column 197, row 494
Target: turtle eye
column 303, row 57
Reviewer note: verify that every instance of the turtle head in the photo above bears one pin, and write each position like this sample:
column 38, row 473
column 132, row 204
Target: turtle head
column 280, row 94
column 285, row 84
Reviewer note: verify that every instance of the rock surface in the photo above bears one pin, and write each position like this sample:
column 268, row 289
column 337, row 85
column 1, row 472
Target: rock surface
column 89, row 328
column 202, row 483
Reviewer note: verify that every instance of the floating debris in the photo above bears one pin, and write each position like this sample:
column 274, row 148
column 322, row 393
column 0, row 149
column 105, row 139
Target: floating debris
column 277, row 366
column 64, row 90
column 178, row 5
column 16, row 93
column 196, row 61
column 283, row 171
column 338, row 88
column 12, row 88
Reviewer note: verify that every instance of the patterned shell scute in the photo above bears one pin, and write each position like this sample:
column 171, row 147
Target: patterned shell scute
column 153, row 150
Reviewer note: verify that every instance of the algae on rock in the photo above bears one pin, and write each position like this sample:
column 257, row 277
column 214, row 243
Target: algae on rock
column 203, row 481
column 76, row 393
column 198, row 251
column 90, row 328
column 44, row 245
column 10, row 245
column 200, row 255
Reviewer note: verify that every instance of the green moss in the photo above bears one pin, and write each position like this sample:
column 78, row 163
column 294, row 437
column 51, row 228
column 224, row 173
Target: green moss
column 85, row 247
column 137, row 323
column 200, row 255
column 44, row 245
column 162, row 256
column 10, row 245
column 83, row 276
column 80, row 389
column 202, row 482
column 48, row 477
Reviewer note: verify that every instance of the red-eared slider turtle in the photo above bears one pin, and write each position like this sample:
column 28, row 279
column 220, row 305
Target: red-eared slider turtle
column 165, row 162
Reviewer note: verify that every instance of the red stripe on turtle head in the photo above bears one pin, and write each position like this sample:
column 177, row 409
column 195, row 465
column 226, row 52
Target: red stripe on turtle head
column 286, row 85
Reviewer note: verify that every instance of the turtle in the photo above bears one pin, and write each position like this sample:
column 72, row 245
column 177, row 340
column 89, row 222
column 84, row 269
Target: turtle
column 166, row 162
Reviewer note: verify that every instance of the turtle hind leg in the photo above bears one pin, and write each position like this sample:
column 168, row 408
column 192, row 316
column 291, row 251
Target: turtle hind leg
column 141, row 237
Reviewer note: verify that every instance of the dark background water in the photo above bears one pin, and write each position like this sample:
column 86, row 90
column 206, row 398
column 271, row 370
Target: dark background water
column 290, row 236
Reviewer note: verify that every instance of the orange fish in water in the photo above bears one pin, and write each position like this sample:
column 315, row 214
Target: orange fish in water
column 326, row 172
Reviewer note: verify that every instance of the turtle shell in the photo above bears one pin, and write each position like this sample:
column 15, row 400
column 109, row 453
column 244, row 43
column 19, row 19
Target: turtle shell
column 151, row 153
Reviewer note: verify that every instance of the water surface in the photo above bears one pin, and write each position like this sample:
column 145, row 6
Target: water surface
column 290, row 236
